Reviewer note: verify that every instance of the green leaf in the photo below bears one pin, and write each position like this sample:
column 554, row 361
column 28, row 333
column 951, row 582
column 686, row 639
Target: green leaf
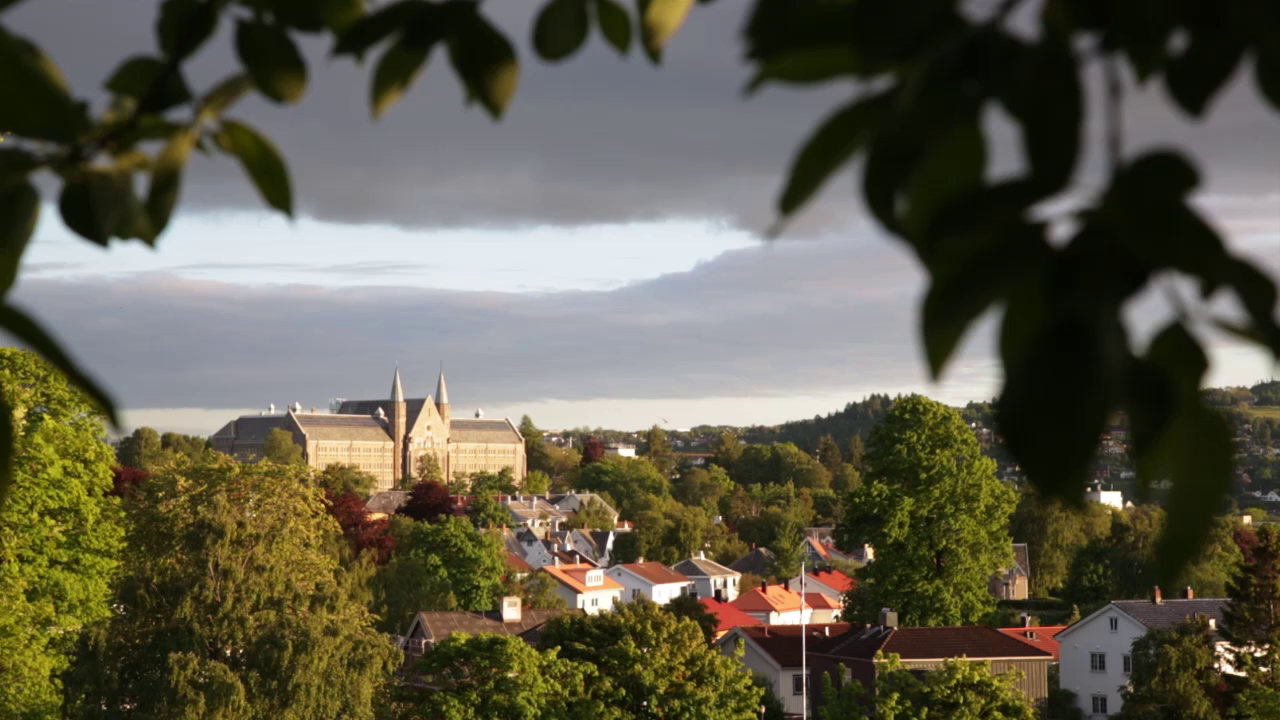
column 261, row 161
column 485, row 62
column 953, row 164
column 376, row 27
column 19, row 210
column 224, row 95
column 137, row 78
column 615, row 25
column 1257, row 292
column 135, row 223
column 166, row 179
column 91, row 203
column 27, row 331
column 891, row 159
column 659, row 20
column 1195, row 76
column 804, row 66
column 184, row 25
column 827, row 149
column 272, row 60
column 1044, row 96
column 36, row 102
column 1266, row 73
column 560, row 29
column 397, row 69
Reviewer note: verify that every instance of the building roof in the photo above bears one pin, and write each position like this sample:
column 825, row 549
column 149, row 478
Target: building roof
column 397, row 390
column 701, row 567
column 774, row 598
column 355, row 428
column 833, row 579
column 971, row 641
column 533, row 509
column 386, row 502
column 1172, row 612
column 440, row 625
column 782, row 642
column 467, row 430
column 518, row 564
column 251, row 428
column 818, row 601
column 655, row 573
column 1022, row 558
column 442, row 390
column 1041, row 637
column 817, row 548
column 575, row 577
column 729, row 617
column 756, row 562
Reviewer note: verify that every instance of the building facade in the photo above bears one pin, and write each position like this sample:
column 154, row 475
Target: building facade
column 388, row 439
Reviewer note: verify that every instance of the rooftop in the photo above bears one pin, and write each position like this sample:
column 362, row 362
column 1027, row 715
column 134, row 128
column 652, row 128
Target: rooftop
column 1039, row 637
column 773, row 598
column 729, row 616
column 1172, row 612
column 701, row 567
column 575, row 576
column 654, row 572
column 936, row 643
column 440, row 625
column 833, row 579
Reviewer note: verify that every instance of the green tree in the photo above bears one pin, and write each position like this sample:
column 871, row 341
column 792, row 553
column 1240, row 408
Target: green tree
column 232, row 593
column 502, row 482
column 61, row 533
column 628, row 547
column 592, row 515
column 857, row 448
column 779, row 464
column 537, row 458
column 634, row 484
column 725, row 451
column 188, row 446
column 445, row 565
column 537, row 591
column 1174, row 676
column 703, row 488
column 688, row 606
column 486, row 512
column 936, row 514
column 140, row 449
column 657, row 448
column 426, row 470
column 501, row 677
column 1054, row 531
column 788, row 550
column 537, row 482
column 958, row 690
column 846, row 479
column 1251, row 619
column 658, row 665
column 279, row 448
column 1090, row 579
column 829, row 455
column 341, row 478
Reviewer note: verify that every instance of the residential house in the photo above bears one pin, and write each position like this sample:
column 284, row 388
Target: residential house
column 1013, row 582
column 585, row 587
column 773, row 605
column 534, row 513
column 831, row 583
column 595, row 545
column 1094, row 653
column 1112, row 498
column 1044, row 637
column 518, row 566
column 728, row 617
column 385, row 503
column 774, row 654
column 650, row 580
column 757, row 562
column 429, row 628
column 710, row 578
column 571, row 502
column 822, row 608
column 620, row 450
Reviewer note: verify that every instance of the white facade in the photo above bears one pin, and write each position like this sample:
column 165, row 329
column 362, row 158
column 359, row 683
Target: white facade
column 591, row 602
column 782, row 681
column 706, row 586
column 1112, row 498
column 1093, row 659
column 635, row 587
column 585, row 587
column 620, row 450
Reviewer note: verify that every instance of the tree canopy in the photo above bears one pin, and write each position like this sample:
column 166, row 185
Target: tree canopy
column 280, row 448
column 958, row 690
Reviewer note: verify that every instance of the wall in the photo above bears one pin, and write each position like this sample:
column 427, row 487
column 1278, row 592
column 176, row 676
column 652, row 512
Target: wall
column 636, row 587
column 469, row 458
column 1034, row 682
column 1095, row 636
column 374, row 458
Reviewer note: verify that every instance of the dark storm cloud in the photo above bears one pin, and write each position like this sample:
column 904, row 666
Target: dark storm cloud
column 596, row 139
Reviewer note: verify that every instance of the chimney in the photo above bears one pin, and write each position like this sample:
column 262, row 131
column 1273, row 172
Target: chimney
column 764, row 586
column 556, row 560
column 888, row 618
column 640, row 560
column 1155, row 596
column 702, row 555
column 577, row 559
column 1188, row 593
column 511, row 609
column 826, row 630
column 1026, row 620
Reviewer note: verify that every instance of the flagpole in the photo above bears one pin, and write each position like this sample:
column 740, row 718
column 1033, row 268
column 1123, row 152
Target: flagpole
column 804, row 653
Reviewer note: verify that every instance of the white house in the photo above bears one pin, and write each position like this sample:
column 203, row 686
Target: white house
column 710, row 579
column 620, row 450
column 1113, row 498
column 650, row 580
column 585, row 587
column 1094, row 654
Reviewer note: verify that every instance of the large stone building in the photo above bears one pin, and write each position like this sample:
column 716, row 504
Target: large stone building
column 386, row 438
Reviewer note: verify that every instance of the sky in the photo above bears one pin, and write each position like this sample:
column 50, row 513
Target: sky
column 596, row 258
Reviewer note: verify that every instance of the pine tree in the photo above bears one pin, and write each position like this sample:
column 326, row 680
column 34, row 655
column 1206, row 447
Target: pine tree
column 829, row 454
column 1251, row 619
column 658, row 449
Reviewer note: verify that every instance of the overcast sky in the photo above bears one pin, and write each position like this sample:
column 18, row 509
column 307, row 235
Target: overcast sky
column 592, row 259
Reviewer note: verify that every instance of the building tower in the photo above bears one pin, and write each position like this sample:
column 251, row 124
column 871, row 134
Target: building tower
column 442, row 406
column 396, row 420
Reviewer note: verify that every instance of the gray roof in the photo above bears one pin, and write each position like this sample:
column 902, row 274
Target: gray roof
column 698, row 567
column 1173, row 612
column 756, row 562
column 387, row 501
column 532, row 510
column 442, row 391
column 440, row 625
column 356, row 428
column 483, row 431
column 251, row 428
column 1022, row 558
column 397, row 391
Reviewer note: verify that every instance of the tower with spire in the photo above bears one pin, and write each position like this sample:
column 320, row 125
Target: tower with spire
column 397, row 420
column 442, row 398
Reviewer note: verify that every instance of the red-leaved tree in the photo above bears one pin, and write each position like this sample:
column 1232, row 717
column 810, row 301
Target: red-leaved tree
column 363, row 533
column 428, row 501
column 592, row 450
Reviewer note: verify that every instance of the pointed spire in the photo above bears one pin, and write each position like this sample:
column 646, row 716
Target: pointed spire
column 442, row 392
column 397, row 392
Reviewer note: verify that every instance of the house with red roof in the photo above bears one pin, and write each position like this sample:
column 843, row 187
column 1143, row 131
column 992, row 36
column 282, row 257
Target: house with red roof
column 822, row 609
column 773, row 605
column 651, row 581
column 1043, row 637
column 585, row 587
column 831, row 583
column 728, row 617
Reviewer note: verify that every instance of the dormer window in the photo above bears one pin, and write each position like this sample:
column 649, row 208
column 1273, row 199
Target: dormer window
column 595, row 577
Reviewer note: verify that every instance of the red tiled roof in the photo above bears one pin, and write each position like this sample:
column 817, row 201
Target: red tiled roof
column 834, row 579
column 655, row 572
column 818, row 601
column 1040, row 637
column 729, row 616
column 935, row 643
column 575, row 576
column 818, row 547
column 518, row 563
column 782, row 642
column 774, row 598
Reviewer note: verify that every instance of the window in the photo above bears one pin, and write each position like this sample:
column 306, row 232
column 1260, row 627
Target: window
column 1128, row 663
column 1098, row 662
column 1099, row 704
column 635, row 593
column 1114, row 623
column 797, row 684
column 595, row 602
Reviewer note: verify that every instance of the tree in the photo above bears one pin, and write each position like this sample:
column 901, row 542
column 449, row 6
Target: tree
column 501, row 677
column 657, row 448
column 829, row 455
column 1054, row 531
column 188, row 446
column 702, row 488
column 592, row 515
column 230, row 594
column 428, row 502
column 427, row 470
column 537, row 482
column 658, row 664
column 846, row 479
column 1251, row 619
column 689, row 607
column 780, row 463
column 957, row 690
column 485, row 512
column 1090, row 578
column 725, row 451
column 628, row 547
column 364, row 534
column 537, row 591
column 140, row 449
column 788, row 550
column 535, row 447
column 856, row 451
column 61, row 533
column 446, row 565
column 936, row 514
column 634, row 484
column 592, row 451
column 280, row 448
column 341, row 478
column 1174, row 676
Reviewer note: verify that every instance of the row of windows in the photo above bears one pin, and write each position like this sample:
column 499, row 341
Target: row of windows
column 1098, row 662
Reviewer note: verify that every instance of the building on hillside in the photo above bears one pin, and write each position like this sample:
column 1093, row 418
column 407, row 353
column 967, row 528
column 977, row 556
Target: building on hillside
column 1110, row 498
column 387, row 438
column 773, row 605
column 710, row 579
column 831, row 583
column 429, row 628
column 1094, row 653
column 759, row 561
column 585, row 587
column 651, row 581
column 620, row 450
column 1013, row 582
